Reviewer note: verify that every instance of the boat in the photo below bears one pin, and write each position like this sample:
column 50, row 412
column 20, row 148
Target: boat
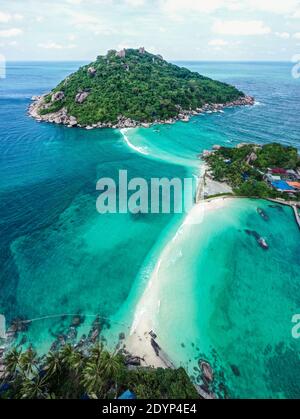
column 263, row 244
column 262, row 213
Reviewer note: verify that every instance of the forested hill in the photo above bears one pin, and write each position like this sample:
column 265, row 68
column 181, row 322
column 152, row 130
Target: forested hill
column 136, row 85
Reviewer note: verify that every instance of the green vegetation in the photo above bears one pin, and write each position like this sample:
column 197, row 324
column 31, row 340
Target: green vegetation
column 244, row 167
column 139, row 86
column 74, row 374
column 277, row 155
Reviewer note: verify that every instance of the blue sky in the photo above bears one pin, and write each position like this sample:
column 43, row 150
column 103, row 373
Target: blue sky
column 177, row 29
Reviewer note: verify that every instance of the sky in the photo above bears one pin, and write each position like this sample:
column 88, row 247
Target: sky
column 177, row 29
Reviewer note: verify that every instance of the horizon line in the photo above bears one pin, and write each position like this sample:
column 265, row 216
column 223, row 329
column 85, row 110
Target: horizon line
column 169, row 60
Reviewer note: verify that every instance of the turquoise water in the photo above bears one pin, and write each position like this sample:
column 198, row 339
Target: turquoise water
column 232, row 302
column 59, row 256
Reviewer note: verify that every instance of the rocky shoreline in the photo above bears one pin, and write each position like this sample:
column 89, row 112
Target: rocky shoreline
column 61, row 117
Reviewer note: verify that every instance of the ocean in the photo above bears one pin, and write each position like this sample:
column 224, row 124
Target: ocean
column 224, row 299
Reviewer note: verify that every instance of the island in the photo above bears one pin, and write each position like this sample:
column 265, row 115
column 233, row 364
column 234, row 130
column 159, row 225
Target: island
column 253, row 170
column 131, row 88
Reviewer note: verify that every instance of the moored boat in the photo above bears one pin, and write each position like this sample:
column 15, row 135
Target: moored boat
column 262, row 213
column 263, row 244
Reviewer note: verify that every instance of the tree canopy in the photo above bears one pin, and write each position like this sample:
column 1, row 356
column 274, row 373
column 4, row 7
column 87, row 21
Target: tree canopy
column 140, row 86
column 71, row 373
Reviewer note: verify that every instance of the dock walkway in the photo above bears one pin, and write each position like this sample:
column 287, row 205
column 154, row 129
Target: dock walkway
column 293, row 204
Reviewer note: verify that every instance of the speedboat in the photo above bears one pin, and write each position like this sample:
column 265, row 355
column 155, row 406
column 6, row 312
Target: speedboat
column 263, row 244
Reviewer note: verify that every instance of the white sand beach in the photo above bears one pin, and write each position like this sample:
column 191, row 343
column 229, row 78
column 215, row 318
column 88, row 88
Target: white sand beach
column 147, row 309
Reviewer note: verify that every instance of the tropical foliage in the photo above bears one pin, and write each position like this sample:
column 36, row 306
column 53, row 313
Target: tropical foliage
column 243, row 167
column 97, row 374
column 142, row 87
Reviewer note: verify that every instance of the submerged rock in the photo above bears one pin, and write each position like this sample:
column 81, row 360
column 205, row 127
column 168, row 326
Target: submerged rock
column 207, row 371
column 235, row 370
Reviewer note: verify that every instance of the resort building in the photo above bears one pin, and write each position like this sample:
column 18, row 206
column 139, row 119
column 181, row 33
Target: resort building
column 283, row 180
column 283, row 186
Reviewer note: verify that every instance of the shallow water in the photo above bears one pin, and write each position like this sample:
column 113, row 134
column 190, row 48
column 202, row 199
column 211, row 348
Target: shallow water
column 231, row 302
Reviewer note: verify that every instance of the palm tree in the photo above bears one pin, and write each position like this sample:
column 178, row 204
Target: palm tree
column 67, row 355
column 12, row 362
column 101, row 371
column 53, row 364
column 29, row 362
column 34, row 388
column 72, row 364
column 92, row 375
column 113, row 365
column 114, row 368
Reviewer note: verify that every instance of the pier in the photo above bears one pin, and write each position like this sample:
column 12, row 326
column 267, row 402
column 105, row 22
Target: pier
column 293, row 204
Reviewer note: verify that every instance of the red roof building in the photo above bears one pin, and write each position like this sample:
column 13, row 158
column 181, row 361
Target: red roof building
column 278, row 171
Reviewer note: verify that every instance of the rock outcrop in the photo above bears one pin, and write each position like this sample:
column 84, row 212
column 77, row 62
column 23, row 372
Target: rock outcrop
column 81, row 97
column 57, row 96
column 122, row 53
column 92, row 71
column 62, row 117
column 207, row 371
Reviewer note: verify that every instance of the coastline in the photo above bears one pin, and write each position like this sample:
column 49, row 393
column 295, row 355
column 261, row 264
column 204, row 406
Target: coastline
column 61, row 117
column 147, row 309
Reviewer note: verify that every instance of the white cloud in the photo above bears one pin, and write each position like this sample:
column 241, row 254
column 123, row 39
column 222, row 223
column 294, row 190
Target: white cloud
column 54, row 45
column 4, row 17
column 283, row 7
column 10, row 33
column 296, row 35
column 74, row 1
column 17, row 17
column 273, row 6
column 240, row 27
column 296, row 15
column 91, row 23
column 218, row 42
column 135, row 3
column 7, row 17
column 172, row 7
column 72, row 37
column 283, row 35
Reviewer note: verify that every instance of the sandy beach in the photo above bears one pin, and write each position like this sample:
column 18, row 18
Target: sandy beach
column 147, row 309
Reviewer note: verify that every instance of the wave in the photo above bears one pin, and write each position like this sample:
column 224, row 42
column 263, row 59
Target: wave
column 140, row 150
